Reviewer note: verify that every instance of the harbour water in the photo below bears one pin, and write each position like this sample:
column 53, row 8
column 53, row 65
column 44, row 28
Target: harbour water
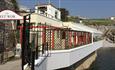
column 105, row 59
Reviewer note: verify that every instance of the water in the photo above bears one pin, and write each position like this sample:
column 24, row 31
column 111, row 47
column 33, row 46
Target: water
column 105, row 59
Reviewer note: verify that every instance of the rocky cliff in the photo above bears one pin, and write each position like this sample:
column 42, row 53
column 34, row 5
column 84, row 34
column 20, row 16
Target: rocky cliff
column 8, row 4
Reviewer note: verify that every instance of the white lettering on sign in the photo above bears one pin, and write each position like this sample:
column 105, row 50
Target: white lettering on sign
column 9, row 15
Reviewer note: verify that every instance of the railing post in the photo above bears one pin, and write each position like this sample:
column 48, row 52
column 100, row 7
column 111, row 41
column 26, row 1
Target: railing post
column 42, row 48
column 79, row 38
column 33, row 60
column 65, row 42
column 70, row 36
column 74, row 39
column 50, row 40
column 84, row 38
column 92, row 38
column 53, row 39
column 36, row 53
column 44, row 38
column 25, row 42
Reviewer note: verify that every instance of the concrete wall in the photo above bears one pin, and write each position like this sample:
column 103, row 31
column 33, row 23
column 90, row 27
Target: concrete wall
column 86, row 62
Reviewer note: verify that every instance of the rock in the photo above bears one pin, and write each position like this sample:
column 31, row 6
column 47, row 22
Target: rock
column 8, row 4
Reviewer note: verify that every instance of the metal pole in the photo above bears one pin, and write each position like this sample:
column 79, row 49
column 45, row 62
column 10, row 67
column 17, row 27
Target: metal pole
column 33, row 57
column 33, row 53
column 37, row 45
column 23, row 43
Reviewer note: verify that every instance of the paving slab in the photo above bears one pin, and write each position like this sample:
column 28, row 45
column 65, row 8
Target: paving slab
column 11, row 65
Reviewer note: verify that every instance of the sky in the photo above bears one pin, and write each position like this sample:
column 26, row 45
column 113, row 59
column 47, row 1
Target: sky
column 83, row 8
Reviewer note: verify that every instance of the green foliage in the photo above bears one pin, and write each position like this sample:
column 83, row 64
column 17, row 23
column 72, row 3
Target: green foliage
column 9, row 4
column 64, row 14
column 73, row 18
column 15, row 4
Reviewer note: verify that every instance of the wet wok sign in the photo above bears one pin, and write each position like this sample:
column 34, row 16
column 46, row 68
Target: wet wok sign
column 9, row 15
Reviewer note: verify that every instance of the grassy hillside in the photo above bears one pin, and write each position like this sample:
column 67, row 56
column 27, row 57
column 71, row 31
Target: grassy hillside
column 98, row 21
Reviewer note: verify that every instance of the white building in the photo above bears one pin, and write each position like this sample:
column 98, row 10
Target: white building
column 80, row 39
column 48, row 10
column 112, row 18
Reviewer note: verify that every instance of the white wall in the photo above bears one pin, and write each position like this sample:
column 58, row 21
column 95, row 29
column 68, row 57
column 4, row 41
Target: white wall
column 36, row 18
column 51, row 10
column 65, row 58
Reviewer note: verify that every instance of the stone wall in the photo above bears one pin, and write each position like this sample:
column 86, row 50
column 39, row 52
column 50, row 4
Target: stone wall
column 8, row 4
column 87, row 63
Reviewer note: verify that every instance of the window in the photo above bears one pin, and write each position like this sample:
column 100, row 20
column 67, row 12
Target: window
column 56, row 13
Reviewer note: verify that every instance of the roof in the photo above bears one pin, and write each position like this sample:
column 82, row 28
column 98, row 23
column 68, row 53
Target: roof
column 57, row 23
column 9, row 15
column 47, row 20
column 81, row 27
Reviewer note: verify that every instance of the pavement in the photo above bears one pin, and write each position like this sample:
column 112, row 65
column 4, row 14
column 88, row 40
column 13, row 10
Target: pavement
column 105, row 60
column 14, row 64
column 108, row 44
